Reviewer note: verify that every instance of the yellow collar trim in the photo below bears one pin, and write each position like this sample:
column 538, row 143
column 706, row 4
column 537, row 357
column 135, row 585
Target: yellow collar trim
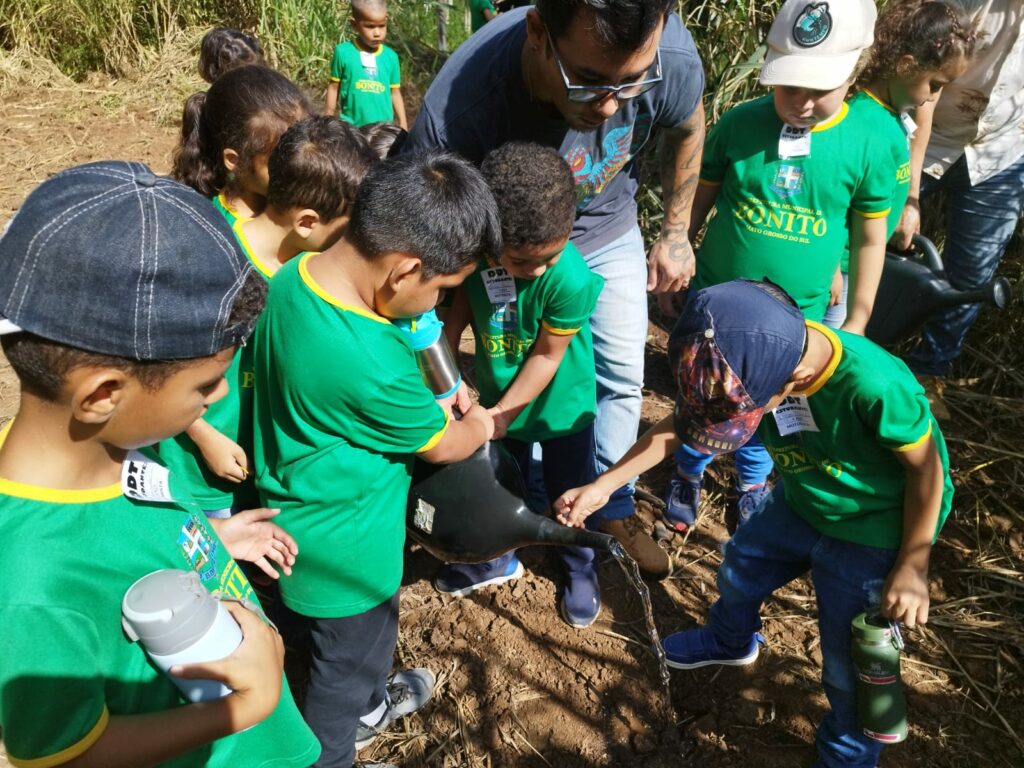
column 229, row 207
column 247, row 249
column 832, row 122
column 316, row 288
column 878, row 101
column 833, row 363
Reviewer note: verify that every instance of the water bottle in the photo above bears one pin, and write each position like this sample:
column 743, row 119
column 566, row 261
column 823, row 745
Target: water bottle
column 881, row 707
column 473, row 510
column 177, row 621
column 434, row 357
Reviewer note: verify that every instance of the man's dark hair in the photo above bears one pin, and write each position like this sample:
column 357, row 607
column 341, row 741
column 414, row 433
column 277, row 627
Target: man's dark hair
column 535, row 192
column 623, row 25
column 42, row 365
column 318, row 163
column 433, row 205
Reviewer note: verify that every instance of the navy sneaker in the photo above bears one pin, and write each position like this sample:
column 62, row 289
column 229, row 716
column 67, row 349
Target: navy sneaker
column 682, row 499
column 698, row 648
column 744, row 505
column 581, row 598
column 407, row 691
column 461, row 579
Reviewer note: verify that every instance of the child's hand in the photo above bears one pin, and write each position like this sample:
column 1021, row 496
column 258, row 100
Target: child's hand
column 253, row 671
column 835, row 291
column 249, row 536
column 577, row 504
column 223, row 456
column 501, row 422
column 905, row 595
column 481, row 415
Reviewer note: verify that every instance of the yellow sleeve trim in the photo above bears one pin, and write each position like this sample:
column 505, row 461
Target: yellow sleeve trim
column 709, row 183
column 559, row 331
column 437, row 435
column 333, row 79
column 396, row 86
column 919, row 442
column 70, row 753
column 875, row 215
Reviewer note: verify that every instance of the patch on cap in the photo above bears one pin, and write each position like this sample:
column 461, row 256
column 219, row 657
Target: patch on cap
column 813, row 25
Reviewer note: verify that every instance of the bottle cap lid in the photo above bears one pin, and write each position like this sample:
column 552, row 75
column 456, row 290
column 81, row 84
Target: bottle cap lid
column 423, row 330
column 167, row 611
column 873, row 628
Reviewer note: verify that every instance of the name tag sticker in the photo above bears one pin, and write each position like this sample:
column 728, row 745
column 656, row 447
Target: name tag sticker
column 909, row 126
column 369, row 62
column 500, row 285
column 144, row 479
column 794, row 415
column 794, row 142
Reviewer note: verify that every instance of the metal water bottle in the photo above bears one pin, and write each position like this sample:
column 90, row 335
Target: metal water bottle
column 881, row 706
column 433, row 355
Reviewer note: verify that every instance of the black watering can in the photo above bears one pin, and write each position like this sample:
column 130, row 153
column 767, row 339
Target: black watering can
column 914, row 288
column 475, row 509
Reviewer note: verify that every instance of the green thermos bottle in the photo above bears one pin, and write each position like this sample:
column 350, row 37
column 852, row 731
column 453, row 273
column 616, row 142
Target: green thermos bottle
column 881, row 707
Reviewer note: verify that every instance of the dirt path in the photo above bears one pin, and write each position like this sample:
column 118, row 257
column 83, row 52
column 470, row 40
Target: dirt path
column 518, row 687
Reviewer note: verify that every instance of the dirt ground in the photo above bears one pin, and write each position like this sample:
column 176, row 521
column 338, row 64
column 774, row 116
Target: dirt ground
column 519, row 687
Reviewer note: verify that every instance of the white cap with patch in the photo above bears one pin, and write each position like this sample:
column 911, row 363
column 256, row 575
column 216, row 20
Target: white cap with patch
column 818, row 44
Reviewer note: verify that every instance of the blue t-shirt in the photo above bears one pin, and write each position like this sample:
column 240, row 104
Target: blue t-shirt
column 479, row 101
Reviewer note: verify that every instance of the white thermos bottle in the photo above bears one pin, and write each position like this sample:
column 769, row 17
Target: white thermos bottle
column 178, row 621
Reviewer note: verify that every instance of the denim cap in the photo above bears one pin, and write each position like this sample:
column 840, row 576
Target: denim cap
column 110, row 258
column 733, row 348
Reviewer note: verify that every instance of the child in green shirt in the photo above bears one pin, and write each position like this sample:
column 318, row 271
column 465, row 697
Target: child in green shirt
column 113, row 354
column 365, row 83
column 313, row 174
column 865, row 488
column 341, row 412
column 530, row 310
column 480, row 12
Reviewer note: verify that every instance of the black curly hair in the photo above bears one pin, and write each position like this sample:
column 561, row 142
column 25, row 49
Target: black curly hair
column 535, row 192
column 932, row 31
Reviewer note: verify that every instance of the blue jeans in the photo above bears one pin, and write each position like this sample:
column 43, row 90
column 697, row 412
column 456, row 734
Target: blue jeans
column 771, row 549
column 566, row 462
column 835, row 315
column 753, row 464
column 982, row 220
column 619, row 325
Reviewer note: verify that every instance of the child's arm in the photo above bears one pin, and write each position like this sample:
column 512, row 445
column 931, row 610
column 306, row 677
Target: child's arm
column 399, row 105
column 905, row 595
column 703, row 201
column 536, row 373
column 462, row 437
column 224, row 457
column 867, row 257
column 253, row 672
column 910, row 220
column 576, row 505
column 332, row 98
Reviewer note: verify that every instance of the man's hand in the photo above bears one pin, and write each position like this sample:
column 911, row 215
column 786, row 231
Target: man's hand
column 671, row 264
column 909, row 225
column 905, row 595
column 251, row 537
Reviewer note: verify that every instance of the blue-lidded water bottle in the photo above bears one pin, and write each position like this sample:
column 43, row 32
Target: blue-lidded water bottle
column 433, row 355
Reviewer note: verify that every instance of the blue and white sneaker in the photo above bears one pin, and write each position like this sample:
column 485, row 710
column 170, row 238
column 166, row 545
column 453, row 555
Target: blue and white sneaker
column 698, row 647
column 682, row 500
column 407, row 692
column 745, row 504
column 461, row 579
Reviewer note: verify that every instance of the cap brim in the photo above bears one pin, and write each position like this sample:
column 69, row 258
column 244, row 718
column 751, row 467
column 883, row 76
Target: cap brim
column 722, row 437
column 820, row 73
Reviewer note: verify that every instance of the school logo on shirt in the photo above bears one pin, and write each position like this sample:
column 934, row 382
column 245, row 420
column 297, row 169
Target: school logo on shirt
column 369, row 86
column 198, row 547
column 789, row 180
column 813, row 25
column 501, row 339
column 591, row 175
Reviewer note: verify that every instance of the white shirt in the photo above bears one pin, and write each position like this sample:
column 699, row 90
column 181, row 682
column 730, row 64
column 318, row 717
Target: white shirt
column 981, row 113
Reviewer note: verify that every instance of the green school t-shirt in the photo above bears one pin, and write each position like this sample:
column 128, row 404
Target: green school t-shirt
column 231, row 416
column 889, row 131
column 561, row 300
column 842, row 475
column 476, row 13
column 341, row 410
column 66, row 666
column 787, row 219
column 365, row 82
